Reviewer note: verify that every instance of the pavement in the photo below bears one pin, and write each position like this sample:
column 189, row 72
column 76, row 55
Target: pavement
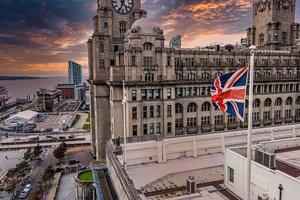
column 81, row 122
column 66, row 189
column 13, row 158
column 53, row 121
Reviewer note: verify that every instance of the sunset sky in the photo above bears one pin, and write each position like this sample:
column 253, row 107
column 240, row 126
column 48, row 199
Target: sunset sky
column 38, row 37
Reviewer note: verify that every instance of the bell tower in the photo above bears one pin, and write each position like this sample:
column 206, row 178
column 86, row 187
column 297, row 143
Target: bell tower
column 111, row 22
column 273, row 24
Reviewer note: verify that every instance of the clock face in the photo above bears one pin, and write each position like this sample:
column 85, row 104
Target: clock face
column 122, row 7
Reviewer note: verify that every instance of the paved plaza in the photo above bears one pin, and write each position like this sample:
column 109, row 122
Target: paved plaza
column 67, row 190
column 13, row 158
column 54, row 121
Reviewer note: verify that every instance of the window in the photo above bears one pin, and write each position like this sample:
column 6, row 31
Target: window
column 148, row 46
column 101, row 48
column 277, row 114
column 169, row 60
column 156, row 94
column 205, row 76
column 297, row 112
column 133, row 58
column 268, row 102
column 267, row 115
column 179, row 123
column 178, row 76
column 289, row 101
column 150, row 94
column 133, row 95
column 231, row 119
column 151, row 111
column 230, row 62
column 169, row 93
column 134, row 130
column 206, row 107
column 145, row 112
column 284, row 38
column 217, row 62
column 255, row 116
column 256, row 103
column 148, row 61
column 192, row 107
column 123, row 28
column 145, row 129
column 134, row 112
column 149, row 77
column 205, row 120
column 105, row 27
column 298, row 101
column 261, row 39
column 191, row 76
column 144, row 94
column 192, row 122
column 177, row 62
column 169, row 111
column 204, row 62
column 231, row 175
column 169, row 127
column 102, row 63
column 278, row 102
column 158, row 111
column 158, row 127
column 288, row 113
column 178, row 108
column 152, row 128
column 219, row 119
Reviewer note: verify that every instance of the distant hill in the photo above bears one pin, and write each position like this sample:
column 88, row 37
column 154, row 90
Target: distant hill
column 6, row 78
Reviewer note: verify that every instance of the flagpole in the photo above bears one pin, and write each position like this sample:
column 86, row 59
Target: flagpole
column 125, row 126
column 249, row 142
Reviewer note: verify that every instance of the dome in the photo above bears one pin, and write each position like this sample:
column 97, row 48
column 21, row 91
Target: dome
column 145, row 25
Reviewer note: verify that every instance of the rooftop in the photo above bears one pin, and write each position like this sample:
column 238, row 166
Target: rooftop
column 27, row 114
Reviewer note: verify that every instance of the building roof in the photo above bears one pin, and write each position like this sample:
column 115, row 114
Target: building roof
column 27, row 115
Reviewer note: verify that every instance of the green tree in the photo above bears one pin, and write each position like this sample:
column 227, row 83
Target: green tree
column 37, row 151
column 27, row 154
column 11, row 181
column 48, row 173
column 60, row 152
column 22, row 168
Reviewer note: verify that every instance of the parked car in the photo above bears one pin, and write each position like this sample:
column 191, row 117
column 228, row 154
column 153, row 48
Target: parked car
column 25, row 191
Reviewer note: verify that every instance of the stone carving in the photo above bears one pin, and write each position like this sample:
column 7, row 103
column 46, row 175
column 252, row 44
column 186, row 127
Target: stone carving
column 136, row 29
column 157, row 30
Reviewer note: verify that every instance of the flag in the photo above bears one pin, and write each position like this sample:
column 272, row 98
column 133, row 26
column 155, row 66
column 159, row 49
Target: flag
column 229, row 92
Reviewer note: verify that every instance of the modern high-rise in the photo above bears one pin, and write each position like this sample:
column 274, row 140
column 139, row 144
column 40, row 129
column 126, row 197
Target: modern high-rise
column 168, row 88
column 75, row 73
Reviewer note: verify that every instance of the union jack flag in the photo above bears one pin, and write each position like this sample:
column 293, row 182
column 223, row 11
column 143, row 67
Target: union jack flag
column 229, row 92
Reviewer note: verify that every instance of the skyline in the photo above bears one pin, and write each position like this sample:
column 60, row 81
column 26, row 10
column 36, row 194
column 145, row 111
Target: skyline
column 39, row 37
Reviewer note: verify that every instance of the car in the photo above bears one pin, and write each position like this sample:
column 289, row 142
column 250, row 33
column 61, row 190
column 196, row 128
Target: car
column 73, row 162
column 25, row 191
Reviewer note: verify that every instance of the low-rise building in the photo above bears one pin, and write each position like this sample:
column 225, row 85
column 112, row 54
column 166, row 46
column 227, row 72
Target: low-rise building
column 48, row 100
column 3, row 97
column 275, row 170
column 72, row 91
column 22, row 118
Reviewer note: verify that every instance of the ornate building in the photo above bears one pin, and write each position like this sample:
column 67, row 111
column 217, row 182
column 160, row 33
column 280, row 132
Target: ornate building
column 168, row 88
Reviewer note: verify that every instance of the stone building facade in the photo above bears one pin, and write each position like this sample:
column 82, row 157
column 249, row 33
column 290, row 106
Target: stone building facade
column 168, row 89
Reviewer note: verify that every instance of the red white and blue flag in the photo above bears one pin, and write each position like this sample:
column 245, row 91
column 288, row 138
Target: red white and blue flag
column 229, row 92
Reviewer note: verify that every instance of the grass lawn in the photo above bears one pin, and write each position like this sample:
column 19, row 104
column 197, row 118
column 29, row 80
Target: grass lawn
column 76, row 120
column 86, row 126
column 86, row 176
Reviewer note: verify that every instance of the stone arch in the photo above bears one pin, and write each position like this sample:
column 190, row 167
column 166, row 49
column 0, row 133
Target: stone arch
column 206, row 107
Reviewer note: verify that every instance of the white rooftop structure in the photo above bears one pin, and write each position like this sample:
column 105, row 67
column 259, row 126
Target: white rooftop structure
column 25, row 117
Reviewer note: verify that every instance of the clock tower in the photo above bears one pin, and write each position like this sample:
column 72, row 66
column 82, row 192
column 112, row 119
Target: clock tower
column 113, row 19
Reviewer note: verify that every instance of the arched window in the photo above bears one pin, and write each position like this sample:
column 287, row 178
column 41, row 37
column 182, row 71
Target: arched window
column 256, row 103
column 192, row 107
column 268, row 102
column 105, row 27
column 298, row 101
column 261, row 39
column 123, row 28
column 278, row 102
column 178, row 76
column 289, row 101
column 284, row 38
column 149, row 77
column 278, row 75
column 206, row 107
column 178, row 108
column 148, row 46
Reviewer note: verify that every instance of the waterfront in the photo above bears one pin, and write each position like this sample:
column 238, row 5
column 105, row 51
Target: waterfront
column 24, row 88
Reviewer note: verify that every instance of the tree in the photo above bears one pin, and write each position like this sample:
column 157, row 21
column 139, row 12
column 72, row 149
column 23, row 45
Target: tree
column 22, row 168
column 27, row 154
column 59, row 153
column 37, row 151
column 48, row 174
column 11, row 181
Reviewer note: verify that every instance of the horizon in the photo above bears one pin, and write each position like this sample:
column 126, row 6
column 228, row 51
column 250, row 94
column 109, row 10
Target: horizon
column 49, row 34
